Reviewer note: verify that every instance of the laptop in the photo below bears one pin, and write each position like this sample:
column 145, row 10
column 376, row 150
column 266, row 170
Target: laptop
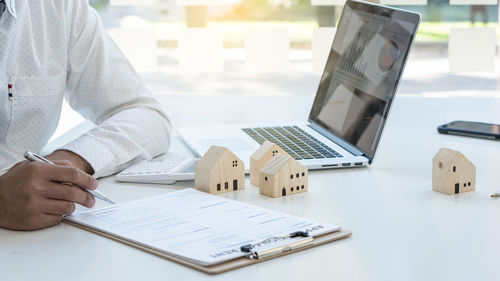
column 352, row 104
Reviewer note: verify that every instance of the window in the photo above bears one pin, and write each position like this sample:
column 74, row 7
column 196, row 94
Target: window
column 218, row 187
column 226, row 185
column 454, row 168
column 302, row 19
column 291, row 176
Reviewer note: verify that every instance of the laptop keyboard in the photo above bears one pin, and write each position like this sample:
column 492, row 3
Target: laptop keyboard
column 295, row 141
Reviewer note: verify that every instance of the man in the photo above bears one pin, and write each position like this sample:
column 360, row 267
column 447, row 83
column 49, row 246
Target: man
column 56, row 49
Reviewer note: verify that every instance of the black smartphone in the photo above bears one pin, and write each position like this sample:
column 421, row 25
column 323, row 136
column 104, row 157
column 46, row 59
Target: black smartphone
column 471, row 129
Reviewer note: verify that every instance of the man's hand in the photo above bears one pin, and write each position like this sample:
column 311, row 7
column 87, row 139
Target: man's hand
column 37, row 195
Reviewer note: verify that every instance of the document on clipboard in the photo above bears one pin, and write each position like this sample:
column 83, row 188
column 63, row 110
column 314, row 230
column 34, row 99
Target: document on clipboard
column 200, row 228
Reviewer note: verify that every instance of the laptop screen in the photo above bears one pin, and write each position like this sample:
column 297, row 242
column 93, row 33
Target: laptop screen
column 366, row 61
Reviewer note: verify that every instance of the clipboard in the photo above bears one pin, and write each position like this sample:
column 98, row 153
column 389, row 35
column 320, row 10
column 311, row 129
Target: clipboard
column 226, row 266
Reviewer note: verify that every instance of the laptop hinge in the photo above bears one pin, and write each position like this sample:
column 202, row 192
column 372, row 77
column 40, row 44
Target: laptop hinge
column 342, row 143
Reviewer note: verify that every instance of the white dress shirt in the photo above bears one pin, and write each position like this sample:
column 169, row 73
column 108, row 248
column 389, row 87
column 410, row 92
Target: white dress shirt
column 56, row 49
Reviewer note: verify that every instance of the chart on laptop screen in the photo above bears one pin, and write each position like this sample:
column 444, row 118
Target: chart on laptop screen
column 370, row 51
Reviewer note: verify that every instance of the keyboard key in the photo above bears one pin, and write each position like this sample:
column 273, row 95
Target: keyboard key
column 305, row 155
column 295, row 141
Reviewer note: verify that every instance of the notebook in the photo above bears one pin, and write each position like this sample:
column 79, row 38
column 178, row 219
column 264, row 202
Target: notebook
column 197, row 227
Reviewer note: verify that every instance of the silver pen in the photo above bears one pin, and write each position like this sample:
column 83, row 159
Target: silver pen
column 37, row 158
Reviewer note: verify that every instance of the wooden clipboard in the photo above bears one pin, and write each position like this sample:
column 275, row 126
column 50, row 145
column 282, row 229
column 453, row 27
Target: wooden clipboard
column 226, row 266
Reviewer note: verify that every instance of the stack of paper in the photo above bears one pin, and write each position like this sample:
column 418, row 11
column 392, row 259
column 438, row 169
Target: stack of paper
column 196, row 226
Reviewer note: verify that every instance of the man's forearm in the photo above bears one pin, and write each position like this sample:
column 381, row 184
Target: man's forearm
column 74, row 158
column 126, row 137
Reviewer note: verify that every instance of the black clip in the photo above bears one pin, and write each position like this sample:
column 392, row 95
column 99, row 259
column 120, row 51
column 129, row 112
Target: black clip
column 299, row 234
column 249, row 247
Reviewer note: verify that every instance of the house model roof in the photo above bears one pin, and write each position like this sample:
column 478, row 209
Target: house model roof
column 262, row 150
column 211, row 157
column 276, row 163
column 447, row 155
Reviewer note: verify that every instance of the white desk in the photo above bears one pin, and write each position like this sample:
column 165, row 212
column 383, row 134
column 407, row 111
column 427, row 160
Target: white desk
column 402, row 229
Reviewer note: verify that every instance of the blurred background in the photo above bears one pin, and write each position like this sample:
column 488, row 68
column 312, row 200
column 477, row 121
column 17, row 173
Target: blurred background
column 279, row 47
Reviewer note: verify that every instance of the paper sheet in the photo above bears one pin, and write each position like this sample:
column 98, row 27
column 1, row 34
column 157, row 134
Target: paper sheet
column 132, row 2
column 321, row 45
column 196, row 226
column 139, row 46
column 200, row 50
column 473, row 2
column 207, row 2
column 267, row 49
column 472, row 49
column 403, row 2
column 327, row 2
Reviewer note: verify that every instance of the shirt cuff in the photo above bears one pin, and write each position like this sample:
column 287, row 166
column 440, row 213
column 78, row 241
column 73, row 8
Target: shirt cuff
column 95, row 152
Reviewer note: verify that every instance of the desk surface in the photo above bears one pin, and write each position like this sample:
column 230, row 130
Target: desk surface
column 402, row 229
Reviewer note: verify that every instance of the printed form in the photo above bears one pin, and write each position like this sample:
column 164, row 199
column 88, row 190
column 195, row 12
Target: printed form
column 196, row 226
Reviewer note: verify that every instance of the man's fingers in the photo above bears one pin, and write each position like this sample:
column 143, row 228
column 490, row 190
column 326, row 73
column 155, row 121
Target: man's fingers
column 41, row 221
column 72, row 175
column 58, row 207
column 62, row 162
column 48, row 220
column 70, row 193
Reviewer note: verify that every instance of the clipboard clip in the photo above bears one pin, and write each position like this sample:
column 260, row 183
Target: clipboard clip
column 249, row 248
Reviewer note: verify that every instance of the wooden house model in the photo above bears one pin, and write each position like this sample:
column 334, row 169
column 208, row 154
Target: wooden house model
column 260, row 158
column 282, row 176
column 452, row 173
column 219, row 170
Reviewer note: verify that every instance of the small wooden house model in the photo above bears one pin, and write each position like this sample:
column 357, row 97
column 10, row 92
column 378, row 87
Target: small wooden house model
column 219, row 170
column 452, row 173
column 260, row 158
column 282, row 176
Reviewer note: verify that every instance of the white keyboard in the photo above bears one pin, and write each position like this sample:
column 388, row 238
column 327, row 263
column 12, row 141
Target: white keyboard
column 162, row 171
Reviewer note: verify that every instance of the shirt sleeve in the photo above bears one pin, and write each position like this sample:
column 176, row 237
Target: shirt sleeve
column 104, row 88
